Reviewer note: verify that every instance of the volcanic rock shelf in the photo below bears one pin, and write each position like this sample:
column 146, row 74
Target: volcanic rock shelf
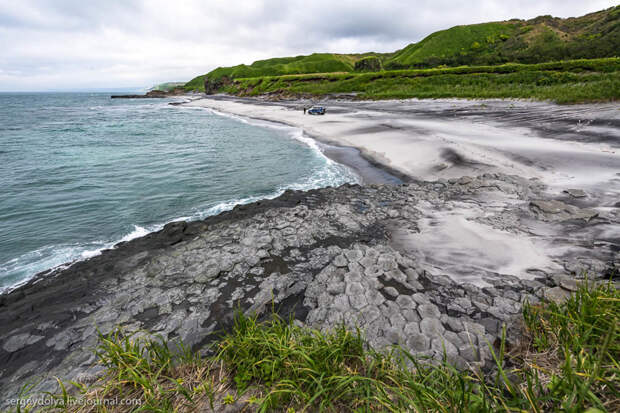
column 325, row 256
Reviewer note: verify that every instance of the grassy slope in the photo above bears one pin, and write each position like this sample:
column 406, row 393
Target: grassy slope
column 563, row 82
column 544, row 38
column 168, row 86
column 567, row 361
column 456, row 41
column 314, row 63
column 197, row 83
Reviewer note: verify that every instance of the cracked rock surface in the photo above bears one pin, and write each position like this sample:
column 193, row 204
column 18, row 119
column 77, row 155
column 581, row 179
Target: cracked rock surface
column 367, row 256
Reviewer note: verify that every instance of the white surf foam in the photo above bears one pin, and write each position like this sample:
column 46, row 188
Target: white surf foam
column 293, row 132
column 53, row 257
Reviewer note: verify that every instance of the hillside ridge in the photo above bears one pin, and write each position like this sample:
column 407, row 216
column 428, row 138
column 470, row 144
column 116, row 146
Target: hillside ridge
column 537, row 40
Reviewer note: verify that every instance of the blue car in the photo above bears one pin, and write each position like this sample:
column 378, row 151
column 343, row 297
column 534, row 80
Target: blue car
column 316, row 110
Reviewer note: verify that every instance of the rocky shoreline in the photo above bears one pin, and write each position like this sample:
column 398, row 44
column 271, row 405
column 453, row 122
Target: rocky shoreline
column 326, row 256
column 153, row 94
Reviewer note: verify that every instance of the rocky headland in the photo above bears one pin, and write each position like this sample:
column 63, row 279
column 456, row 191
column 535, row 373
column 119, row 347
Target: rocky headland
column 159, row 94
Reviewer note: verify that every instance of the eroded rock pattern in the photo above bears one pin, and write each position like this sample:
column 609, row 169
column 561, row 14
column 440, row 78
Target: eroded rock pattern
column 328, row 256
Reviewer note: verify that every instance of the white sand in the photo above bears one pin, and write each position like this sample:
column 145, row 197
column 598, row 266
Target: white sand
column 414, row 154
column 424, row 147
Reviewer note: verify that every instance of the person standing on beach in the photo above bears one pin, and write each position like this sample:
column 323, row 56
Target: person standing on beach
column 304, row 110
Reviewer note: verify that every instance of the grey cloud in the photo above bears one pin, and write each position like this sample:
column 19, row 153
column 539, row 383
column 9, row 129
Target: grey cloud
column 67, row 43
column 63, row 15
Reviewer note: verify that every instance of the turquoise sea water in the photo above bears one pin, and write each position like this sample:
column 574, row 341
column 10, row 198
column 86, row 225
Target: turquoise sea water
column 80, row 172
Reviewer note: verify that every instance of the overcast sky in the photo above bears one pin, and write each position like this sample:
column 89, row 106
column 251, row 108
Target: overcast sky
column 82, row 44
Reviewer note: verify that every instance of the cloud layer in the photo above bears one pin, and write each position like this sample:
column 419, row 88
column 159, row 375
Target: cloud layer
column 69, row 44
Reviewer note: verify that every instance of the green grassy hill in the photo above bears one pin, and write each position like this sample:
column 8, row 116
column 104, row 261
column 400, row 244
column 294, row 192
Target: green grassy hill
column 478, row 53
column 542, row 39
column 571, row 81
column 314, row 63
column 168, row 86
column 449, row 45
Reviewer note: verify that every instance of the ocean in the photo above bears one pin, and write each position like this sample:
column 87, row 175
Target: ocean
column 80, row 172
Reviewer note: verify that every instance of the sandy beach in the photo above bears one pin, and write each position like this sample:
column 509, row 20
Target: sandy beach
column 575, row 145
column 572, row 152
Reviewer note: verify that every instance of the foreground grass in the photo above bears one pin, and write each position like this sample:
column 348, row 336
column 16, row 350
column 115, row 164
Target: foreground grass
column 584, row 80
column 568, row 361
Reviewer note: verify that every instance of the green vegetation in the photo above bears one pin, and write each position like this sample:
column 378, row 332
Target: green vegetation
column 369, row 64
column 457, row 46
column 575, row 349
column 314, row 63
column 539, row 40
column 568, row 361
column 196, row 84
column 564, row 82
column 168, row 86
